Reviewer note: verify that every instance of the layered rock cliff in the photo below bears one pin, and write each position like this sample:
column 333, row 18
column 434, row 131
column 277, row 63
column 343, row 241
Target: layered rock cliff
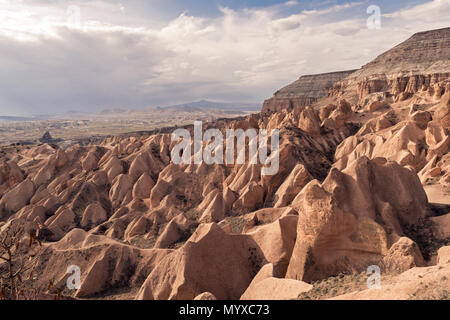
column 305, row 91
column 416, row 64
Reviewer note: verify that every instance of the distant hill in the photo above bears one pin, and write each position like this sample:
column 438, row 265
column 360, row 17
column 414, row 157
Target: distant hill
column 109, row 111
column 205, row 104
column 8, row 118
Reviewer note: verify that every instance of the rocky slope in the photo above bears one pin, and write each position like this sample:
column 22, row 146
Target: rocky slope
column 418, row 64
column 352, row 190
column 305, row 91
column 424, row 53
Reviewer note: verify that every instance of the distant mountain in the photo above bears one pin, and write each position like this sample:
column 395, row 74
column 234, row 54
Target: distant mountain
column 10, row 118
column 110, row 111
column 205, row 104
column 202, row 106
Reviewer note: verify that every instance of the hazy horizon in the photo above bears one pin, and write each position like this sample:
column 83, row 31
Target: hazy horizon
column 90, row 56
column 203, row 103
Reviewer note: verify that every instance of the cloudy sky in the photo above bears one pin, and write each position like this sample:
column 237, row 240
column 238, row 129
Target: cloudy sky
column 58, row 55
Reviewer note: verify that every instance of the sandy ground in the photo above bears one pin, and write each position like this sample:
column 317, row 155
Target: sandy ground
column 436, row 194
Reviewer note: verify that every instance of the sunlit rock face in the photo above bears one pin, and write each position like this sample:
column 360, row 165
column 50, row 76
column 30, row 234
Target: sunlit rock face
column 363, row 180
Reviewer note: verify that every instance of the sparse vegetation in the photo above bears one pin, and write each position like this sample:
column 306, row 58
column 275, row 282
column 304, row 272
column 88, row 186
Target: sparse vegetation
column 237, row 224
column 422, row 233
column 17, row 262
column 336, row 286
column 432, row 291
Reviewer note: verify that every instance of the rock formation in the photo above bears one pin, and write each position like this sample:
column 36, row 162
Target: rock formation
column 363, row 180
column 305, row 91
column 418, row 64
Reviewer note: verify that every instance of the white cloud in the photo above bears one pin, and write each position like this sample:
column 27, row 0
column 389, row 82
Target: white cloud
column 291, row 3
column 335, row 8
column 427, row 15
column 119, row 60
